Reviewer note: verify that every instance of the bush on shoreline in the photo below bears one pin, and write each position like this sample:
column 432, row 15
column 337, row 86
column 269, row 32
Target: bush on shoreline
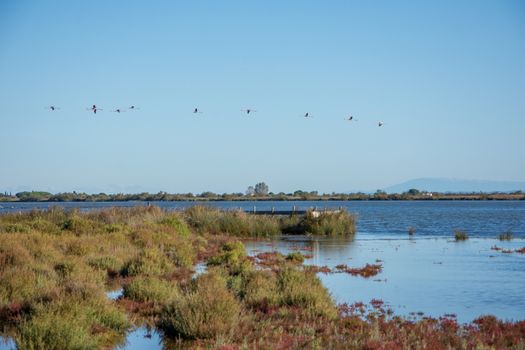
column 241, row 224
column 460, row 236
column 236, row 223
column 505, row 236
column 339, row 223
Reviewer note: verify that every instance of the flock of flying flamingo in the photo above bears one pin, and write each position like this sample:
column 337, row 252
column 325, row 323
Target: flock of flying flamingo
column 196, row 110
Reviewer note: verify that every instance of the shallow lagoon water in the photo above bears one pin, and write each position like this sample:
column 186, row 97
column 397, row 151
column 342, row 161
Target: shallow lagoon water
column 435, row 276
column 115, row 294
column 7, row 343
column 142, row 338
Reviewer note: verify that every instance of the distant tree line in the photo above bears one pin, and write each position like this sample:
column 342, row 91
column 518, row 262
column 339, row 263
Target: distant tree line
column 258, row 192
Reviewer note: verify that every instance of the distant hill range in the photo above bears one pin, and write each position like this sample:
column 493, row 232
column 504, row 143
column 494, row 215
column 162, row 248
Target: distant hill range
column 445, row 185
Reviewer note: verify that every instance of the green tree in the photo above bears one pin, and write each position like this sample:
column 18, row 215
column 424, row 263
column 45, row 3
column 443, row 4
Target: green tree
column 413, row 192
column 261, row 189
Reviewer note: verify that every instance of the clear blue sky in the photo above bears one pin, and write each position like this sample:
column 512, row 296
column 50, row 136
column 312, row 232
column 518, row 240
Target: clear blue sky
column 446, row 77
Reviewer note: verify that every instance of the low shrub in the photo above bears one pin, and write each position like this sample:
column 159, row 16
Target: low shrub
column 339, row 223
column 105, row 263
column 177, row 223
column 150, row 289
column 295, row 257
column 64, row 269
column 151, row 262
column 15, row 228
column 207, row 310
column 24, row 283
column 113, row 228
column 54, row 331
column 81, row 224
column 77, row 247
column 304, row 289
column 236, row 223
column 203, row 219
column 505, row 236
column 181, row 253
column 259, row 289
column 272, row 260
column 460, row 236
column 70, row 324
column 13, row 253
column 44, row 226
column 232, row 256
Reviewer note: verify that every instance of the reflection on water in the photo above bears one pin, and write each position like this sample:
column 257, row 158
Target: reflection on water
column 142, row 338
column 199, row 268
column 115, row 294
column 435, row 276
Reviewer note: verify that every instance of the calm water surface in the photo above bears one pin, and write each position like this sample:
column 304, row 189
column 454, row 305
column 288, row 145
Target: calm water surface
column 7, row 343
column 430, row 275
column 142, row 338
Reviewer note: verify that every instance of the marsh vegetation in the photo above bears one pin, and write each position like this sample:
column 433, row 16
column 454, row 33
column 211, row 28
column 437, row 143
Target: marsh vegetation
column 505, row 236
column 56, row 266
column 460, row 236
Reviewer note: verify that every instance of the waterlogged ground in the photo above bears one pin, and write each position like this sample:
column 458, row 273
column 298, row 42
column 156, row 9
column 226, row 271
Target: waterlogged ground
column 433, row 276
column 427, row 275
column 419, row 277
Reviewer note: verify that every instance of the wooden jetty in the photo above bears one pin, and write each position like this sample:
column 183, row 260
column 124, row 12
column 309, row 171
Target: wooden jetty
column 294, row 211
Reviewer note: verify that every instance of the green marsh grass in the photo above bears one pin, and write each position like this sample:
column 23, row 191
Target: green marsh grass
column 232, row 257
column 150, row 262
column 151, row 289
column 235, row 223
column 295, row 257
column 303, row 289
column 505, row 236
column 259, row 289
column 206, row 310
column 339, row 223
column 60, row 264
column 460, row 236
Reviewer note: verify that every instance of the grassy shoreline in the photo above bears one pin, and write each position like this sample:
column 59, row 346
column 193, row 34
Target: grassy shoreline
column 46, row 197
column 56, row 266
